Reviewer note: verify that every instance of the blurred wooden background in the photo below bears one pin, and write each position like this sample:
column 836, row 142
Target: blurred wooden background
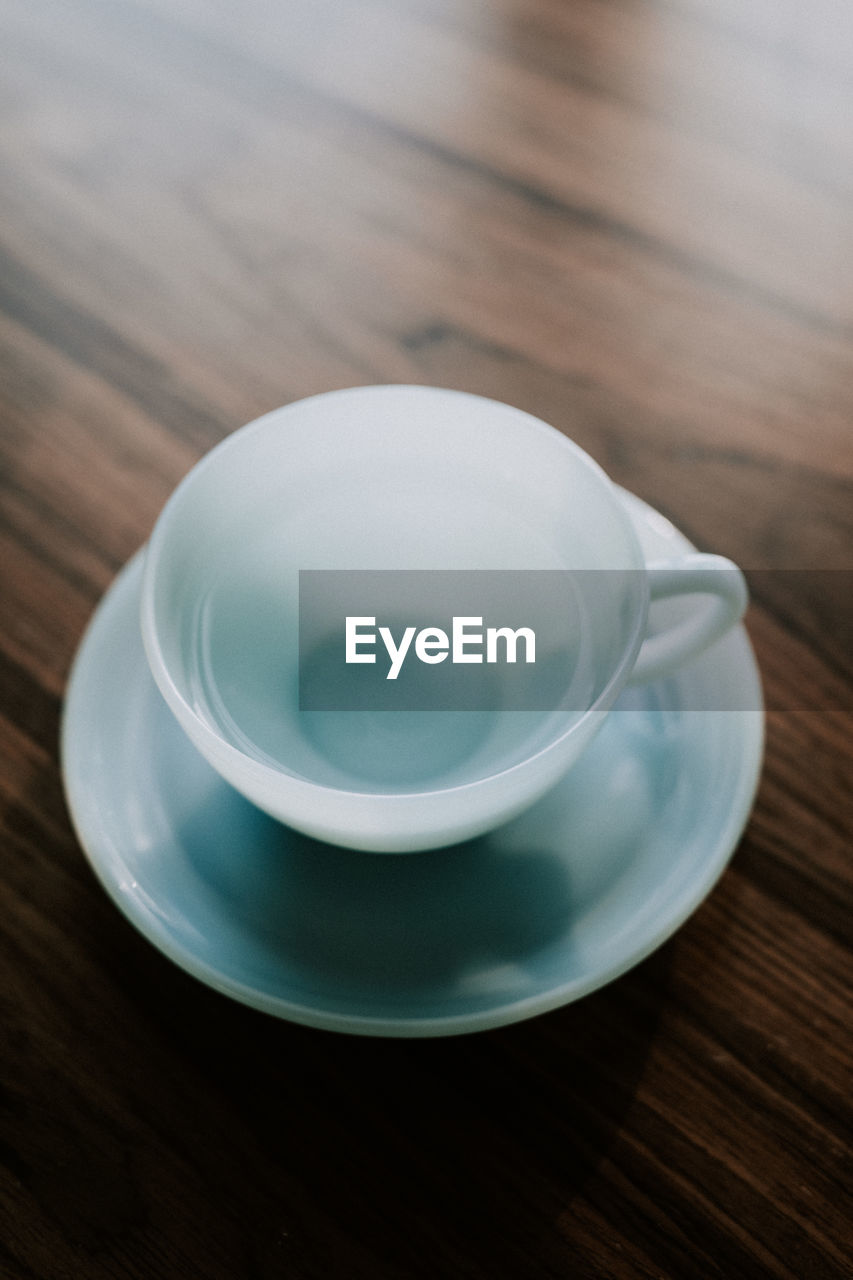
column 633, row 218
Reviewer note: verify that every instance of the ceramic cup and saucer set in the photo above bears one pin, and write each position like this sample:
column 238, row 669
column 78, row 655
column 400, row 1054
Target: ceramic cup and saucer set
column 414, row 872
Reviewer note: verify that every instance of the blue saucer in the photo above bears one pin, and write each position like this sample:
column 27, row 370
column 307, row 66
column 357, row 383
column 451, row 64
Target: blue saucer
column 555, row 904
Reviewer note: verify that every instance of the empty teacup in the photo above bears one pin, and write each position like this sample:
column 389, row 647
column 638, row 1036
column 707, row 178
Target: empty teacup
column 394, row 496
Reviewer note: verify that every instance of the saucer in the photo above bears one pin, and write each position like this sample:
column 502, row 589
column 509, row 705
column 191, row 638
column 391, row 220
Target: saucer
column 560, row 901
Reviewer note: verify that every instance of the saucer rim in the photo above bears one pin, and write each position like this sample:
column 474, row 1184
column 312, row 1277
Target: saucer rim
column 103, row 857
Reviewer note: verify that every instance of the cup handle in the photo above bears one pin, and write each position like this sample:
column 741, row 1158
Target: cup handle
column 712, row 576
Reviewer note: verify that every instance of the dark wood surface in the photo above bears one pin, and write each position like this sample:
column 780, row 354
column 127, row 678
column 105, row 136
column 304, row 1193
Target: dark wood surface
column 633, row 218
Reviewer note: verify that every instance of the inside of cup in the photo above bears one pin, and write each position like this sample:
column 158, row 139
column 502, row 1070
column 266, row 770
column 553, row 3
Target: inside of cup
column 401, row 481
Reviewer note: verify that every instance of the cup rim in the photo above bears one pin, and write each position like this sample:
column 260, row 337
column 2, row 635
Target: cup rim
column 218, row 750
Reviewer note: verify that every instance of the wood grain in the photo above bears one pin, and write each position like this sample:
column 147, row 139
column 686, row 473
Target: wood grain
column 632, row 218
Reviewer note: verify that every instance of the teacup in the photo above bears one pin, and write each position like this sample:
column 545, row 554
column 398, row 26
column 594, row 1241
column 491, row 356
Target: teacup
column 402, row 480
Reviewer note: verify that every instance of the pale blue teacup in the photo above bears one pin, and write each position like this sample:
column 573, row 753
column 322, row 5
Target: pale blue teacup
column 399, row 478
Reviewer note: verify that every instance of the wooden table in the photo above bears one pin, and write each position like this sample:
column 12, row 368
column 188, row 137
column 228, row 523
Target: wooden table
column 635, row 220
